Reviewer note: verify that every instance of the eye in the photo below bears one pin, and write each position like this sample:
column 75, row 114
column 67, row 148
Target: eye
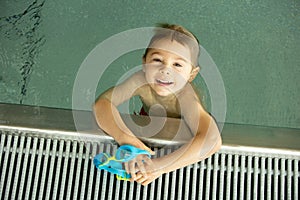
column 177, row 65
column 156, row 60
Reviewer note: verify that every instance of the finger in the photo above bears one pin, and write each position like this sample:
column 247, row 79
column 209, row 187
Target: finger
column 131, row 165
column 146, row 182
column 150, row 151
column 149, row 165
column 137, row 177
column 147, row 149
column 147, row 160
column 141, row 166
column 140, row 178
column 127, row 167
column 141, row 145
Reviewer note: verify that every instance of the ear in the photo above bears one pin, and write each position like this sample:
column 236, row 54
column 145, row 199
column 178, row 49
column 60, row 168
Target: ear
column 194, row 73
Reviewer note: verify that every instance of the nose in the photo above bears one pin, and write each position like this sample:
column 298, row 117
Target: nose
column 165, row 70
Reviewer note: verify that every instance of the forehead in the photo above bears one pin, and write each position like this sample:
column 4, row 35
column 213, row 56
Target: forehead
column 172, row 47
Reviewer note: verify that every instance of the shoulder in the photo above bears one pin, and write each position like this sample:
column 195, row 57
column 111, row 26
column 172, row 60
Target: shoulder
column 188, row 94
column 189, row 101
column 125, row 90
column 139, row 75
column 138, row 83
column 137, row 79
column 133, row 82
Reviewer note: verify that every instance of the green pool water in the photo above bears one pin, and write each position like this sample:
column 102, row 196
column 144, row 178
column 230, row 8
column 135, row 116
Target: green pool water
column 254, row 44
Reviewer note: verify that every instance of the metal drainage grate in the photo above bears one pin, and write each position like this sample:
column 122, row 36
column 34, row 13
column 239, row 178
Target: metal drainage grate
column 48, row 168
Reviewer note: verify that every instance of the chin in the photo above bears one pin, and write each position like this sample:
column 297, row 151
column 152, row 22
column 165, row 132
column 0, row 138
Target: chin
column 164, row 93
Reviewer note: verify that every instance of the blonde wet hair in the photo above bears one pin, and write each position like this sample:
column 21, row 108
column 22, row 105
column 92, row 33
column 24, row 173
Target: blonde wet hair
column 180, row 35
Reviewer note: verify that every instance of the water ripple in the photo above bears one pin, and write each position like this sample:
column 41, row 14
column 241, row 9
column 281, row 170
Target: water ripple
column 24, row 26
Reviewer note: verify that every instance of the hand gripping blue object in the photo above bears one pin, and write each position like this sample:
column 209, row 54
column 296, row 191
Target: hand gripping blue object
column 114, row 164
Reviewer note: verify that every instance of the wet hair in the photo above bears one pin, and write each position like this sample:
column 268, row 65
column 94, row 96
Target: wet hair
column 180, row 35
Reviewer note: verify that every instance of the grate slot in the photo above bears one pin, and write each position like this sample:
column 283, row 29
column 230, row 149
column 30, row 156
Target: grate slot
column 71, row 170
column 18, row 168
column 235, row 176
column 263, row 173
column 228, row 176
column 269, row 180
column 194, row 181
column 4, row 168
column 38, row 167
column 282, row 179
column 255, row 178
column 296, row 178
column 58, row 169
column 215, row 176
column 3, row 136
column 158, row 182
column 222, row 175
column 98, row 178
column 242, row 176
column 11, row 167
column 276, row 174
column 24, row 169
column 44, row 172
column 51, row 170
column 31, row 169
column 85, row 171
column 78, row 171
column 66, row 153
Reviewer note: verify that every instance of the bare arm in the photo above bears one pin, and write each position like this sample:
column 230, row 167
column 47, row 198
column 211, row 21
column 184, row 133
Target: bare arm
column 207, row 141
column 108, row 117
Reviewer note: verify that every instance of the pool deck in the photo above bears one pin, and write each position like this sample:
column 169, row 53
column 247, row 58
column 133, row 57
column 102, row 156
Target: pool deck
column 82, row 123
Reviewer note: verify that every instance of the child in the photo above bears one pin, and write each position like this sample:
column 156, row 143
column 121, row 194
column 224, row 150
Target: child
column 170, row 63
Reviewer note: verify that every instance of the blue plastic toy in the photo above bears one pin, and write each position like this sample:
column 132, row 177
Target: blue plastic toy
column 114, row 164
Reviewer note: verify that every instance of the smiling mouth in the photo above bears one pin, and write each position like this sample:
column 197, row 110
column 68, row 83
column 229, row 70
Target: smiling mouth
column 163, row 82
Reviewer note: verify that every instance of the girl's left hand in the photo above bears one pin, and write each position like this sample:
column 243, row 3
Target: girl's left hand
column 145, row 180
column 137, row 165
column 152, row 172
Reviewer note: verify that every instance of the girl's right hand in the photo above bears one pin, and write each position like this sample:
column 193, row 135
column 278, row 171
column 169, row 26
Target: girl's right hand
column 137, row 164
column 134, row 141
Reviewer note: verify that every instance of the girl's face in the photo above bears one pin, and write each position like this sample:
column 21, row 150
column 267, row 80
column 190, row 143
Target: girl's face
column 168, row 67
